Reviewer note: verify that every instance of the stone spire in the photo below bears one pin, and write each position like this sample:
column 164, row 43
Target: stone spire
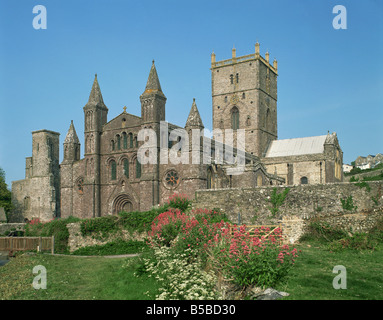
column 71, row 136
column 95, row 96
column 153, row 83
column 71, row 145
column 194, row 119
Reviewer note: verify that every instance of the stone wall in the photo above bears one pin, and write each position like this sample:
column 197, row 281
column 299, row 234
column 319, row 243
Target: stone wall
column 76, row 240
column 304, row 203
column 7, row 227
column 361, row 175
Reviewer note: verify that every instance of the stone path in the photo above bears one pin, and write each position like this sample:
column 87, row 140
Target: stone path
column 112, row 256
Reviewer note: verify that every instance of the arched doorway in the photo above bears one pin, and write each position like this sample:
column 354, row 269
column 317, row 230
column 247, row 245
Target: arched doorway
column 123, row 202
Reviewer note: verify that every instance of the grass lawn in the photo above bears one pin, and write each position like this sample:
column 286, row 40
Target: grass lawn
column 73, row 278
column 99, row 278
column 312, row 278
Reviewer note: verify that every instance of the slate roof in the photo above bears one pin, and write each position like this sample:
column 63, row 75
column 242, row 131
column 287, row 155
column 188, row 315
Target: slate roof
column 297, row 146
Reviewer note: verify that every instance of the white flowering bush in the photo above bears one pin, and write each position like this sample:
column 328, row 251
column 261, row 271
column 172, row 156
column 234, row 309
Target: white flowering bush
column 180, row 278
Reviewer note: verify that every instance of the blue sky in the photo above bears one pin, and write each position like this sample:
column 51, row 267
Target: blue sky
column 329, row 80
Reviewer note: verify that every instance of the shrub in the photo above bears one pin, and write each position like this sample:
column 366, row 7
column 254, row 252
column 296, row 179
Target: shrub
column 252, row 260
column 277, row 199
column 363, row 184
column 57, row 228
column 195, row 231
column 179, row 201
column 199, row 232
column 102, row 226
column 358, row 241
column 323, row 232
column 166, row 226
column 244, row 258
column 181, row 278
column 348, row 204
column 140, row 221
column 116, row 247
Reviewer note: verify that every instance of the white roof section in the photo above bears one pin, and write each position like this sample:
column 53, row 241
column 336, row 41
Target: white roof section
column 297, row 146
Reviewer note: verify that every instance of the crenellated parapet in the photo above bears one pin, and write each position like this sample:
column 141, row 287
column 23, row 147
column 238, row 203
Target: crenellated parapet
column 246, row 58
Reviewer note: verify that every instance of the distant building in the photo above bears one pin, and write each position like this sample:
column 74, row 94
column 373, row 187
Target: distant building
column 347, row 168
column 371, row 161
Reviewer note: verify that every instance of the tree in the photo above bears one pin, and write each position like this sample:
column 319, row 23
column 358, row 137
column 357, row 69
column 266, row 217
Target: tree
column 5, row 193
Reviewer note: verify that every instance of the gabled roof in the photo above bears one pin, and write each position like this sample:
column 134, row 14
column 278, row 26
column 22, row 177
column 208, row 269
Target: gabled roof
column 297, row 146
column 115, row 123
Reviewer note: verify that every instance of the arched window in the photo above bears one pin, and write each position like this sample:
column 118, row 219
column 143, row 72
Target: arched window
column 235, row 118
column 136, row 141
column 126, row 168
column 27, row 203
column 113, row 170
column 138, row 168
column 304, row 180
column 80, row 185
column 130, row 140
column 209, row 179
column 118, row 142
column 125, row 140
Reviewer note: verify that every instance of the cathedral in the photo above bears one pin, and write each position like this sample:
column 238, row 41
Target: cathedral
column 112, row 177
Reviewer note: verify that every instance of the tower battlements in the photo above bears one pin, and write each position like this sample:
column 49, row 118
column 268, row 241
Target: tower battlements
column 246, row 58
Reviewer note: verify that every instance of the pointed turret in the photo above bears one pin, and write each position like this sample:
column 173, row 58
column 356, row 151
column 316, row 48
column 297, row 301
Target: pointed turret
column 71, row 136
column 95, row 96
column 153, row 83
column 71, row 145
column 153, row 99
column 194, row 119
column 95, row 110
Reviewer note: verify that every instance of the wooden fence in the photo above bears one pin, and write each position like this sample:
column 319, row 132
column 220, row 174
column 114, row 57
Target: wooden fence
column 12, row 244
column 257, row 230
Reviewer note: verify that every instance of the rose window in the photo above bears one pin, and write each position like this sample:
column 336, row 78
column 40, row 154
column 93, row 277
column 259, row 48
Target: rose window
column 172, row 179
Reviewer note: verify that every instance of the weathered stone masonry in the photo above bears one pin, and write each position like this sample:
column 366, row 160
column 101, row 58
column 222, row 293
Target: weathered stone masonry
column 304, row 203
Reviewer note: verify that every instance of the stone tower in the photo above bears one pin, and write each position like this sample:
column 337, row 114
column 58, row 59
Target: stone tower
column 196, row 170
column 244, row 96
column 95, row 116
column 152, row 113
column 71, row 155
column 38, row 195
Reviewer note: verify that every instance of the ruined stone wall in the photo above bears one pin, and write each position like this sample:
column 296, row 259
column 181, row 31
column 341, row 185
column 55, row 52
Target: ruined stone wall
column 76, row 240
column 304, row 203
column 361, row 175
column 5, row 228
